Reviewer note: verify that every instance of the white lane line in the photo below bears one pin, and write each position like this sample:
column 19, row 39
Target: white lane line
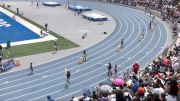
column 139, row 30
column 126, row 31
column 103, row 72
column 101, row 80
column 34, row 85
column 60, row 61
column 54, row 68
column 118, row 72
column 53, row 64
column 159, row 20
column 43, row 68
column 117, row 59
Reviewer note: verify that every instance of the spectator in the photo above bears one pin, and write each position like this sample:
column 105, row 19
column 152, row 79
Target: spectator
column 120, row 96
column 95, row 96
column 157, row 90
column 150, row 97
column 135, row 86
column 127, row 96
column 172, row 91
column 141, row 93
column 163, row 97
column 135, row 68
column 156, row 97
column 85, row 97
column 74, row 99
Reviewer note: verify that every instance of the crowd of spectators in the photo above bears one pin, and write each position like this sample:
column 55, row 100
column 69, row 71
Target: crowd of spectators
column 170, row 9
column 158, row 81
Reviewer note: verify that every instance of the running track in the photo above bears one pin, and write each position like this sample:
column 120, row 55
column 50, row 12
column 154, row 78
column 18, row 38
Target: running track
column 50, row 77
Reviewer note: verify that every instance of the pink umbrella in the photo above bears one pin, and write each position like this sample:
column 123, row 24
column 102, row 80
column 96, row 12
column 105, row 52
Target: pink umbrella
column 118, row 82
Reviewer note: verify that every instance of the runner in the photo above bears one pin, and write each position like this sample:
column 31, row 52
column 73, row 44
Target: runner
column 84, row 55
column 109, row 70
column 122, row 42
column 150, row 25
column 31, row 69
column 68, row 75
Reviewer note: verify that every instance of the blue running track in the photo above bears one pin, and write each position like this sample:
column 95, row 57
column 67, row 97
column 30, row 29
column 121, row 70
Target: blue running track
column 49, row 78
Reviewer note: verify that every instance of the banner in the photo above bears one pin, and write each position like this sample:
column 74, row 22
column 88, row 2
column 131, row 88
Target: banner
column 9, row 64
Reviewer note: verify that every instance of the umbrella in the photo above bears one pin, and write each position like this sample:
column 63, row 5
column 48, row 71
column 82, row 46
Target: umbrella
column 105, row 88
column 118, row 82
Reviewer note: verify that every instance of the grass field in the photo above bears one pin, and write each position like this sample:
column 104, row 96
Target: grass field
column 36, row 48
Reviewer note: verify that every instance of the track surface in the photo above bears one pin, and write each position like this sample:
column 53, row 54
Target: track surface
column 49, row 78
